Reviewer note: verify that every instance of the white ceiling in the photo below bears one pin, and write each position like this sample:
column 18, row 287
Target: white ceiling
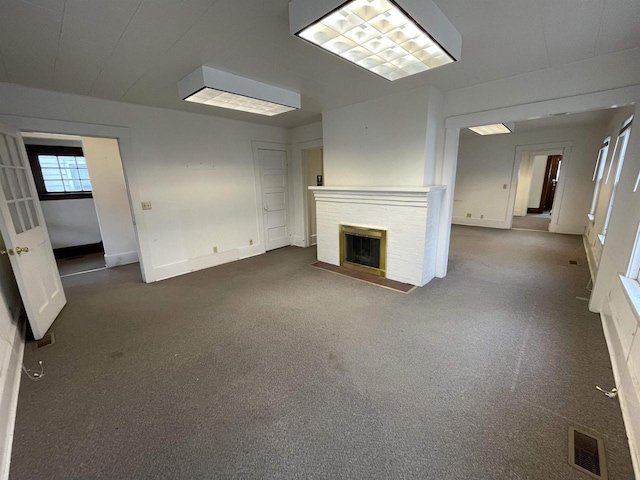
column 137, row 50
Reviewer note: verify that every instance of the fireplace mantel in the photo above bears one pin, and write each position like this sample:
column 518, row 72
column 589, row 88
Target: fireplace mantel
column 409, row 215
column 413, row 196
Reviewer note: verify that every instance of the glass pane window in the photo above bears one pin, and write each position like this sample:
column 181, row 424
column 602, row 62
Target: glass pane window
column 47, row 161
column 54, row 186
column 64, row 173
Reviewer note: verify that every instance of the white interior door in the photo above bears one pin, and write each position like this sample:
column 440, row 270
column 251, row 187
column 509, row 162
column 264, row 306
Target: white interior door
column 25, row 236
column 273, row 177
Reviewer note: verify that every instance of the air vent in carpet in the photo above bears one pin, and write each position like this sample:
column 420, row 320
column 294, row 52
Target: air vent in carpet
column 48, row 339
column 586, row 453
column 573, row 262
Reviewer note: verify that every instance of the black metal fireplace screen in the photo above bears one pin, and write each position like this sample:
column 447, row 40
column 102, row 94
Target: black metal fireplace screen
column 363, row 249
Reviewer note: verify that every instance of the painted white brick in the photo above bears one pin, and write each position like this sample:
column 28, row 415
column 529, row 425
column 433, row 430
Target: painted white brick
column 410, row 217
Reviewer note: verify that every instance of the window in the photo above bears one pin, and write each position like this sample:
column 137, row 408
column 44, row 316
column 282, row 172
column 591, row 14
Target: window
column 598, row 175
column 633, row 271
column 618, row 161
column 631, row 281
column 59, row 172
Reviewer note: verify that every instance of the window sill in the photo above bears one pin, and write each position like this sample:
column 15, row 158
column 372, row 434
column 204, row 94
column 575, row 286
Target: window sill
column 65, row 196
column 632, row 292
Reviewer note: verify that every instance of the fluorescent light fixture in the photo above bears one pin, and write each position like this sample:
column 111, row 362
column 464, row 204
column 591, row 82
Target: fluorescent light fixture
column 216, row 88
column 391, row 38
column 493, row 129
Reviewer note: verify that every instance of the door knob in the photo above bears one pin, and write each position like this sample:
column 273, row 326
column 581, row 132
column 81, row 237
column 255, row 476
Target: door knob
column 5, row 252
column 22, row 250
column 265, row 209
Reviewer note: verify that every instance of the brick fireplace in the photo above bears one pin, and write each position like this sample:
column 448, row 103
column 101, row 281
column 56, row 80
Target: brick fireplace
column 408, row 215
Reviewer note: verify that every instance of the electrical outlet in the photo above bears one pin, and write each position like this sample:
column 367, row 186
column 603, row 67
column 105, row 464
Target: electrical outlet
column 215, row 249
column 250, row 242
column 146, row 205
column 481, row 217
column 468, row 215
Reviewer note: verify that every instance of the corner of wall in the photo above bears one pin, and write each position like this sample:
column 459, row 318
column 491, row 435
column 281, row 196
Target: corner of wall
column 9, row 388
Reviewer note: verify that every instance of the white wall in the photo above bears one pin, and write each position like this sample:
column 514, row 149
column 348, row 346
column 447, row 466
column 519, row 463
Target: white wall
column 11, row 345
column 71, row 222
column 537, row 180
column 524, row 185
column 197, row 171
column 381, row 142
column 312, row 160
column 301, row 138
column 111, row 201
column 597, row 74
column 486, row 164
column 621, row 319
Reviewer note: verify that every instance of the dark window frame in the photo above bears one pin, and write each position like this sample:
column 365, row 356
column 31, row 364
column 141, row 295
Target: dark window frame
column 33, row 151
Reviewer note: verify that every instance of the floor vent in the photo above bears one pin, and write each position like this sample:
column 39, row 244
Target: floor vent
column 586, row 453
column 48, row 339
column 573, row 262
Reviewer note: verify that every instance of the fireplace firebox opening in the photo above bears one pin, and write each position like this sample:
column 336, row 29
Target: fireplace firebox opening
column 364, row 249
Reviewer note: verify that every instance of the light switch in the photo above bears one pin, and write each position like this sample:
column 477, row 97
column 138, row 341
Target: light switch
column 146, row 205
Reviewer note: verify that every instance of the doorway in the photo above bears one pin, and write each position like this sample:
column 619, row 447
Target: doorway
column 273, row 166
column 314, row 177
column 80, row 184
column 538, row 178
column 24, row 228
column 549, row 183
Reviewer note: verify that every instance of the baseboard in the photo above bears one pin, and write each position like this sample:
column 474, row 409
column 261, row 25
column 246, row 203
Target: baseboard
column 206, row 261
column 628, row 393
column 117, row 259
column 298, row 241
column 78, row 250
column 176, row 269
column 478, row 222
column 590, row 259
column 9, row 395
column 567, row 229
column 250, row 251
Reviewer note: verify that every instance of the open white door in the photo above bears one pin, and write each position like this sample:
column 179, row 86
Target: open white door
column 26, row 237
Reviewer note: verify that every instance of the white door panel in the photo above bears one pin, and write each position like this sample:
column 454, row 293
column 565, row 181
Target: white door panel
column 273, row 177
column 25, row 236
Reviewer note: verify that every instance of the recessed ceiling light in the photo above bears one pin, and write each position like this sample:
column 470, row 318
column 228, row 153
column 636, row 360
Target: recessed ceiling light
column 216, row 88
column 381, row 36
column 493, row 129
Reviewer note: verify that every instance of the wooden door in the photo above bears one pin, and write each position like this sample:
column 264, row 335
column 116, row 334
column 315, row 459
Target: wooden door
column 551, row 181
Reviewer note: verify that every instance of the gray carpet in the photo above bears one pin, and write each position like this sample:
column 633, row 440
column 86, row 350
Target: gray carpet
column 270, row 368
column 70, row 266
column 533, row 222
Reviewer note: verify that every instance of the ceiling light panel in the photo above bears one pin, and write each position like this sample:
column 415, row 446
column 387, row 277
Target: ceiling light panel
column 218, row 98
column 216, row 88
column 493, row 129
column 378, row 35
